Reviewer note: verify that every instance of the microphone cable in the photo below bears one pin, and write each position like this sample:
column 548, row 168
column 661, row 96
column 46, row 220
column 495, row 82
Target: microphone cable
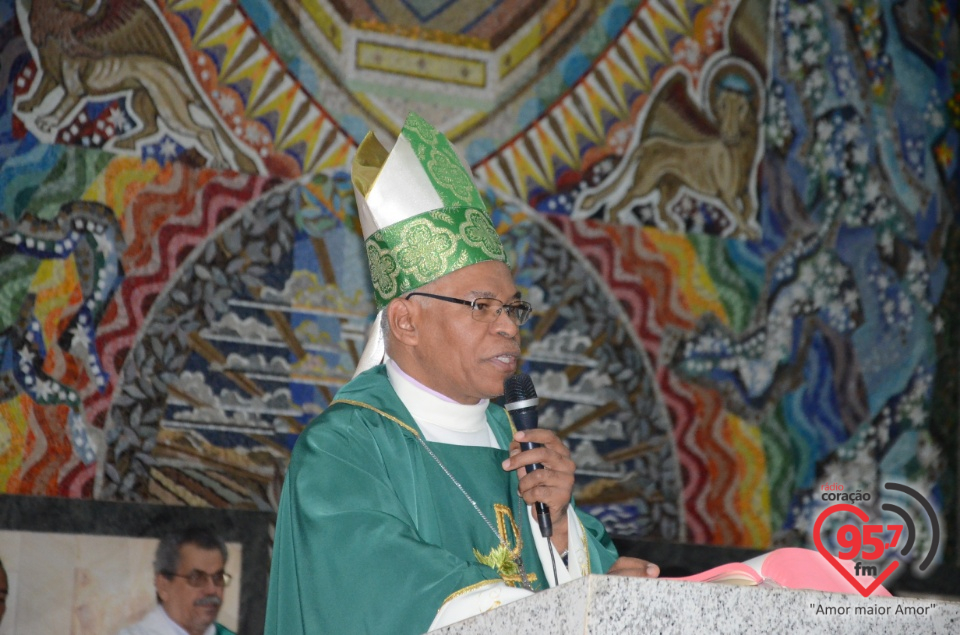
column 553, row 561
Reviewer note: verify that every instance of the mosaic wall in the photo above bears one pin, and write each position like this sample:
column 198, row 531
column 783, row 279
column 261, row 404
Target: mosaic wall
column 735, row 221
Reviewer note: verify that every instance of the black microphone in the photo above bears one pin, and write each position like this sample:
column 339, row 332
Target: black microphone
column 520, row 399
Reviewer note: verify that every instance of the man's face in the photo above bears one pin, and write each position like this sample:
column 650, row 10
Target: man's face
column 460, row 357
column 193, row 608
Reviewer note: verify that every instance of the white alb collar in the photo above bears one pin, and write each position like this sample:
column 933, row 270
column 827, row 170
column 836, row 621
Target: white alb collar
column 433, row 409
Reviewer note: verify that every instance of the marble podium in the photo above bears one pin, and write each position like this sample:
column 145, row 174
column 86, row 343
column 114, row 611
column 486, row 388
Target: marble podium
column 602, row 605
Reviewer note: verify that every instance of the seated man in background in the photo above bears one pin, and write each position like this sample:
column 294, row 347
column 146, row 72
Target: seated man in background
column 406, row 506
column 189, row 579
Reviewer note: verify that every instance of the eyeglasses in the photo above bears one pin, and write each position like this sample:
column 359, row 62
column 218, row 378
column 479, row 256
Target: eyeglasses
column 487, row 309
column 197, row 578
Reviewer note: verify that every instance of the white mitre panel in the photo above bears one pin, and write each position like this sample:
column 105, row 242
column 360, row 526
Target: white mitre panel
column 402, row 190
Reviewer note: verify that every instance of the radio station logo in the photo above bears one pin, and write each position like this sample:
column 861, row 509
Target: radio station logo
column 865, row 544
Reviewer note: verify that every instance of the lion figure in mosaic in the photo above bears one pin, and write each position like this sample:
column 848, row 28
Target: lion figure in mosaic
column 719, row 167
column 92, row 48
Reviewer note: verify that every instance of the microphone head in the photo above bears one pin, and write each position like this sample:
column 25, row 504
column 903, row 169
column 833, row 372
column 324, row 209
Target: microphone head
column 518, row 388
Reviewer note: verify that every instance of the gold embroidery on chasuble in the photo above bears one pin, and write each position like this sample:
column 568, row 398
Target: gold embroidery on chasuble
column 360, row 404
column 503, row 557
column 585, row 563
column 504, row 514
column 465, row 590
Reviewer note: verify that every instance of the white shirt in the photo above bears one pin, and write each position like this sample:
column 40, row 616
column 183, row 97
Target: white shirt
column 157, row 622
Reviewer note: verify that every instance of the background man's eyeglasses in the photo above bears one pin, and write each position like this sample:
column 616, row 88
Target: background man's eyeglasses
column 197, row 578
column 487, row 309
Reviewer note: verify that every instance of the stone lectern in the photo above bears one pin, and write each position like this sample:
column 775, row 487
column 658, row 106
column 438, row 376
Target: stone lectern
column 603, row 605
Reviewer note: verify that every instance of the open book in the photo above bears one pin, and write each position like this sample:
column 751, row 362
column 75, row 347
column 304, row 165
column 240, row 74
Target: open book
column 789, row 567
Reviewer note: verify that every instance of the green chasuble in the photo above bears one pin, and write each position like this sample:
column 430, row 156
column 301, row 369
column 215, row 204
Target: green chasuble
column 372, row 536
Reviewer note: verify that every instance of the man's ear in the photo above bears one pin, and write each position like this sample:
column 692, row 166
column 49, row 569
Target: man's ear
column 162, row 583
column 403, row 318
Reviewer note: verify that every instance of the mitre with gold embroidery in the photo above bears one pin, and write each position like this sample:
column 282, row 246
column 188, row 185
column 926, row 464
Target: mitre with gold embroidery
column 421, row 214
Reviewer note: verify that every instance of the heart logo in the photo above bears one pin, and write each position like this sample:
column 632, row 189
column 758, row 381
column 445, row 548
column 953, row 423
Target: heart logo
column 852, row 579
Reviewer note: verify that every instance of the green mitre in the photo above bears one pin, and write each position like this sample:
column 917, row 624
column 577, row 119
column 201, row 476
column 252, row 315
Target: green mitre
column 422, row 215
